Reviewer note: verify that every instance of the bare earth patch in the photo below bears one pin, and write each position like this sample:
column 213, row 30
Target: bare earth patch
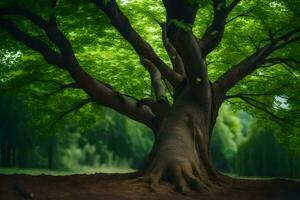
column 122, row 187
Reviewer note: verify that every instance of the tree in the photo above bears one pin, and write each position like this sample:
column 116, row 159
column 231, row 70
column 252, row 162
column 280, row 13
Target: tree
column 226, row 138
column 269, row 158
column 185, row 100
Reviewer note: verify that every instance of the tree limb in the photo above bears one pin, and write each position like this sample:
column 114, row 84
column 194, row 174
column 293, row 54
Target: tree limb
column 175, row 58
column 233, row 5
column 155, row 76
column 194, row 64
column 254, row 61
column 214, row 33
column 180, row 18
column 123, row 26
column 66, row 59
column 49, row 55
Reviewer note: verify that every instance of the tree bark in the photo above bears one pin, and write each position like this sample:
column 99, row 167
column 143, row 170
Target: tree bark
column 181, row 149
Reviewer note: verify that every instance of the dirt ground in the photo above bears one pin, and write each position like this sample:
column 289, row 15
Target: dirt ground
column 120, row 187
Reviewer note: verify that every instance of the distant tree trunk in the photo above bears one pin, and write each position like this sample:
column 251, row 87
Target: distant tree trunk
column 50, row 156
column 13, row 162
column 19, row 159
column 2, row 154
column 8, row 155
column 22, row 158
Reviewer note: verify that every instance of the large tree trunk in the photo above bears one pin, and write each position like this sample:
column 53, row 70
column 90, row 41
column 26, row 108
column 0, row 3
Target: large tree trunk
column 181, row 149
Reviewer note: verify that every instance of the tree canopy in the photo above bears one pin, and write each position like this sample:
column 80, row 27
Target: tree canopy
column 258, row 39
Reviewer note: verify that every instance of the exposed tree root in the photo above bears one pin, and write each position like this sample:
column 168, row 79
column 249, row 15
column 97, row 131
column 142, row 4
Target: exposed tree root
column 184, row 175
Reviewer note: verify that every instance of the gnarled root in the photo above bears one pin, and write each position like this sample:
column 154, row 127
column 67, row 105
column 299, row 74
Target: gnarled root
column 183, row 174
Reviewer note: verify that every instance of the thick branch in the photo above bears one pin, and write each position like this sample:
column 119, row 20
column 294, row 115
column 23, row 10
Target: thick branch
column 24, row 13
column 254, row 61
column 179, row 12
column 122, row 24
column 161, row 105
column 233, row 5
column 49, row 55
column 195, row 67
column 180, row 18
column 96, row 90
column 156, row 81
column 175, row 58
column 214, row 33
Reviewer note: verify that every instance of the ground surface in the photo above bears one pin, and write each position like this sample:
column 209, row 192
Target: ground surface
column 120, row 187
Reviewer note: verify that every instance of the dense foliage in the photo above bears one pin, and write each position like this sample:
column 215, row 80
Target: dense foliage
column 113, row 141
column 103, row 53
column 263, row 155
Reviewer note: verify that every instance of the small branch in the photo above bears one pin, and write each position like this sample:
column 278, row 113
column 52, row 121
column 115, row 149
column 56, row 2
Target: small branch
column 77, row 106
column 247, row 94
column 61, row 85
column 245, row 14
column 290, row 62
column 288, row 41
column 257, row 47
column 214, row 33
column 248, row 101
column 233, row 5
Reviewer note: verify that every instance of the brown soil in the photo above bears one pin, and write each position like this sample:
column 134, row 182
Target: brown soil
column 122, row 187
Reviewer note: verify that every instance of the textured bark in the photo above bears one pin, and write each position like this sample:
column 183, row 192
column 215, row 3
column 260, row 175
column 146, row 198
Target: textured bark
column 181, row 150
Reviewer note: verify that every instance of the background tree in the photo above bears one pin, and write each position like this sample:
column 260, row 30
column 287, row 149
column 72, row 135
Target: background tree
column 226, row 139
column 269, row 158
column 185, row 99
